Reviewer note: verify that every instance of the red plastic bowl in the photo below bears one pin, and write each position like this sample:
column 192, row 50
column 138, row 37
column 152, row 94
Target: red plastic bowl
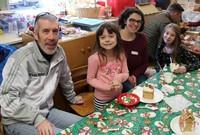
column 128, row 99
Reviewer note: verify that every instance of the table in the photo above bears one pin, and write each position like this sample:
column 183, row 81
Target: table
column 139, row 120
column 193, row 37
column 10, row 38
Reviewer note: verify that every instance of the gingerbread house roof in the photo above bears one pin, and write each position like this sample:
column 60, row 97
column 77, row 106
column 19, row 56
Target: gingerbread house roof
column 186, row 114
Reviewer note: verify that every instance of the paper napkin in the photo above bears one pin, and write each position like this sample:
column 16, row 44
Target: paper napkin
column 168, row 89
column 177, row 102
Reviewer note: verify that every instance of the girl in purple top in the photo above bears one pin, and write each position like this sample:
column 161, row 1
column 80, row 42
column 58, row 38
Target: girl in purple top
column 131, row 22
column 107, row 66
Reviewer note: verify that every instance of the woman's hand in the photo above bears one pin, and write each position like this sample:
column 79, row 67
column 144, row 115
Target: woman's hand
column 132, row 79
column 180, row 70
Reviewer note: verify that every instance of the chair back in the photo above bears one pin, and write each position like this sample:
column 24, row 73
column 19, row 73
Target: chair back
column 82, row 88
column 79, row 77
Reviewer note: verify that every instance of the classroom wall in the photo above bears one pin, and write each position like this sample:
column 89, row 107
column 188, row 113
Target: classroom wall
column 3, row 4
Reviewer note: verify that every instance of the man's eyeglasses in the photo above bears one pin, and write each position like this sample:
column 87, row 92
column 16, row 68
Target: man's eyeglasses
column 43, row 14
column 132, row 20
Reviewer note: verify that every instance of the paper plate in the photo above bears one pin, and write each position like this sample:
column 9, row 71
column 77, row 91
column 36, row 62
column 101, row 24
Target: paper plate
column 158, row 95
column 176, row 129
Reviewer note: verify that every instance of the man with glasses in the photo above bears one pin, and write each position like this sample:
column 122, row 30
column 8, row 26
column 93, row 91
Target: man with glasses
column 154, row 29
column 30, row 78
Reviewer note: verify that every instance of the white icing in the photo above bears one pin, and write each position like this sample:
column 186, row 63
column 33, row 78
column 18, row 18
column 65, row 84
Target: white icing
column 147, row 89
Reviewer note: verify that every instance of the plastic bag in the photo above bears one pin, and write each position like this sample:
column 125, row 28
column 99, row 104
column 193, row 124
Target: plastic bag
column 190, row 16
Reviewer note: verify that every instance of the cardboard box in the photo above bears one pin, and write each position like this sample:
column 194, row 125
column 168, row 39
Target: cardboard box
column 149, row 12
column 198, row 1
column 26, row 38
column 173, row 1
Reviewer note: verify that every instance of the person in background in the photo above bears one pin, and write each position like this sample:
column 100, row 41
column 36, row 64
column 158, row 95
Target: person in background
column 155, row 27
column 171, row 47
column 131, row 22
column 107, row 66
column 30, row 78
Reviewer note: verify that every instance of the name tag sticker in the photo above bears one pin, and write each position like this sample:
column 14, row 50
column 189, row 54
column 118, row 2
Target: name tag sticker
column 134, row 52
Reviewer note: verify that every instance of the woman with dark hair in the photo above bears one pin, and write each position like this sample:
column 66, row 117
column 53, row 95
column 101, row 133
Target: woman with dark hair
column 131, row 22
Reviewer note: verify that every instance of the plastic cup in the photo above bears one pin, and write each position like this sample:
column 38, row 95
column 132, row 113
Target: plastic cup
column 173, row 66
column 168, row 77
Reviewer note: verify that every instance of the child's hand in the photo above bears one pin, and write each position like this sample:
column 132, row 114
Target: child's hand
column 115, row 84
column 180, row 70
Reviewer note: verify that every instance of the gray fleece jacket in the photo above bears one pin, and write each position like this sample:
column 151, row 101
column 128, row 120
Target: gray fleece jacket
column 29, row 83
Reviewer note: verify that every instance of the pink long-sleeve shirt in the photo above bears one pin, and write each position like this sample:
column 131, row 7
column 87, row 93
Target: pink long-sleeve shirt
column 99, row 77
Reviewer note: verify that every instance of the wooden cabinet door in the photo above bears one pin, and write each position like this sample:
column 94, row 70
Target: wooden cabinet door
column 89, row 42
column 75, row 52
column 78, row 50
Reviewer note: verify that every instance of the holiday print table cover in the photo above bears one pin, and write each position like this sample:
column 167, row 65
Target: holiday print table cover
column 143, row 118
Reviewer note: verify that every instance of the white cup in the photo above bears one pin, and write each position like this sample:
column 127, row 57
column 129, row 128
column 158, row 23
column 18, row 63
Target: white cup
column 168, row 77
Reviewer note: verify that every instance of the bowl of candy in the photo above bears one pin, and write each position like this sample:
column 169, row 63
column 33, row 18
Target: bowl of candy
column 128, row 99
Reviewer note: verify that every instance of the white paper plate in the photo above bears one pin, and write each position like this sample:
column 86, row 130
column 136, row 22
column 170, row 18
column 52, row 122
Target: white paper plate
column 176, row 129
column 158, row 95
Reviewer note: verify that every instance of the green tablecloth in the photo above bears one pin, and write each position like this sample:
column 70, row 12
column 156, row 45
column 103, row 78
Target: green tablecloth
column 139, row 120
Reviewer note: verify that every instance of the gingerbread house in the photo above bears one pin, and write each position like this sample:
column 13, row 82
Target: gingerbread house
column 187, row 121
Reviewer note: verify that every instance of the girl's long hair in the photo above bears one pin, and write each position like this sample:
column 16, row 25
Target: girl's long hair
column 177, row 41
column 117, row 50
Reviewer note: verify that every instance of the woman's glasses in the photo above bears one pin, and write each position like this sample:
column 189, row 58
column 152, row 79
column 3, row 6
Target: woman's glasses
column 43, row 14
column 132, row 20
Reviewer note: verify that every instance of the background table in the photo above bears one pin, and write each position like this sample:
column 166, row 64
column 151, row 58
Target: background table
column 140, row 120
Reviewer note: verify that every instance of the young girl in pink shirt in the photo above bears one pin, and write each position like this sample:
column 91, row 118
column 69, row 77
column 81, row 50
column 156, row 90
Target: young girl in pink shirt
column 107, row 66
